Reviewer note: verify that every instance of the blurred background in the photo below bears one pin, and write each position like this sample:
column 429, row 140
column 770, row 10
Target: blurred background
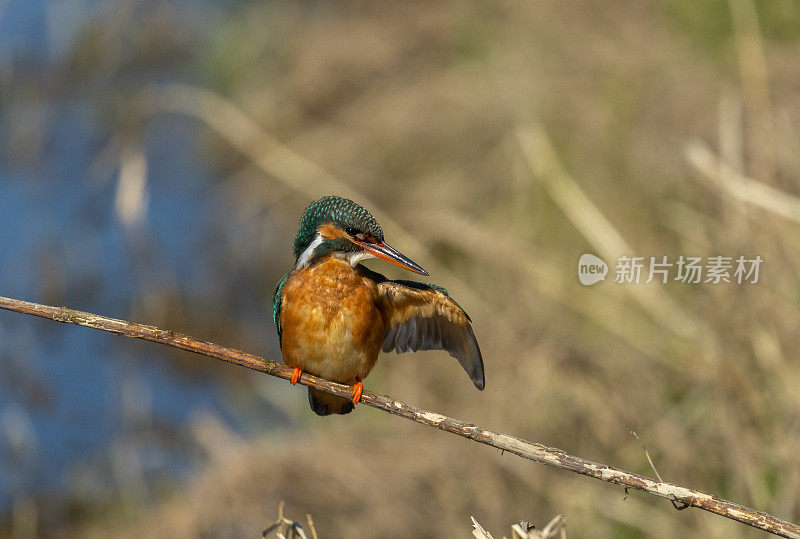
column 155, row 157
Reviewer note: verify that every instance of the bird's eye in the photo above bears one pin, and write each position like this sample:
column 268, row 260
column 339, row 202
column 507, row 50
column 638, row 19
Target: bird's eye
column 350, row 230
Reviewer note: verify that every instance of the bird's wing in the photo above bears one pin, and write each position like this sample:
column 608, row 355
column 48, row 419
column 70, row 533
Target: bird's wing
column 277, row 300
column 422, row 316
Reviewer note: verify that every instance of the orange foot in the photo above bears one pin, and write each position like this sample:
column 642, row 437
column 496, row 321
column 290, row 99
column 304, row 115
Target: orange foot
column 295, row 375
column 358, row 389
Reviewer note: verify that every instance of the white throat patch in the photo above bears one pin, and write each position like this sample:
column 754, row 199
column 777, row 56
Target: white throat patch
column 355, row 258
column 351, row 258
column 305, row 256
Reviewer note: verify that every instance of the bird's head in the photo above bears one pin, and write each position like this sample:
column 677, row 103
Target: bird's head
column 338, row 226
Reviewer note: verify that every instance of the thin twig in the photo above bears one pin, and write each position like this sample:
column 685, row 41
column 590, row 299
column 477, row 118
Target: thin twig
column 529, row 450
column 680, row 507
column 647, row 454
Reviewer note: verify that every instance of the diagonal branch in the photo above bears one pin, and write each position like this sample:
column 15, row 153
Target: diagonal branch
column 529, row 450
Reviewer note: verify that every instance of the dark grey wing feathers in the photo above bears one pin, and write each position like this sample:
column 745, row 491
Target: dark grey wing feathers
column 424, row 317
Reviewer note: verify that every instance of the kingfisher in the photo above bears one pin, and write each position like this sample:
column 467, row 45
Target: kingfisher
column 335, row 315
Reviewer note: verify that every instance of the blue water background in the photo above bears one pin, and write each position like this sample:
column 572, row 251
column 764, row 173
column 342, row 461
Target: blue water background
column 70, row 396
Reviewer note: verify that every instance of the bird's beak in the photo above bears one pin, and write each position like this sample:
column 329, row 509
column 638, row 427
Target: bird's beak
column 386, row 252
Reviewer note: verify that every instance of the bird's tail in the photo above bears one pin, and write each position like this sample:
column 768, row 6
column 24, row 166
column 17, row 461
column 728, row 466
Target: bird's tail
column 326, row 404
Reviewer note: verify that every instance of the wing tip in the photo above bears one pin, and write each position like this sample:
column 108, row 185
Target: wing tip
column 477, row 375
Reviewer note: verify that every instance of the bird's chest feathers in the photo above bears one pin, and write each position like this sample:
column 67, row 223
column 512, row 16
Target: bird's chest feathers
column 330, row 321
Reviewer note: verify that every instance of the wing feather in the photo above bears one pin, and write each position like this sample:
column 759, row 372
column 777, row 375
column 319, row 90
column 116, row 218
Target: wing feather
column 425, row 317
column 277, row 302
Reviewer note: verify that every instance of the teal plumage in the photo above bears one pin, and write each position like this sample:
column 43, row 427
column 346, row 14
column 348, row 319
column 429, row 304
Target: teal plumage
column 277, row 300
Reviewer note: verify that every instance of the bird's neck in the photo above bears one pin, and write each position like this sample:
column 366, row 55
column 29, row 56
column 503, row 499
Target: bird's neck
column 310, row 252
column 321, row 248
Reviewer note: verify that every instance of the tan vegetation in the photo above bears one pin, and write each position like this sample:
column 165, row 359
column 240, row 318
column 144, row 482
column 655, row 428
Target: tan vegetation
column 497, row 142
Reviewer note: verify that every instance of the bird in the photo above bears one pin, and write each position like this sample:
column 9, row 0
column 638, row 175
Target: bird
column 334, row 315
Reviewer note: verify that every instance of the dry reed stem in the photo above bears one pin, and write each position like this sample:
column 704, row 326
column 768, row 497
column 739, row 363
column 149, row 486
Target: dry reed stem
column 740, row 187
column 529, row 450
column 596, row 228
column 311, row 526
column 556, row 528
column 286, row 528
column 755, row 87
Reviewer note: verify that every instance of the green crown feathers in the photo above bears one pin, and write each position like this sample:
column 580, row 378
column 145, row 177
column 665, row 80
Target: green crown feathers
column 342, row 212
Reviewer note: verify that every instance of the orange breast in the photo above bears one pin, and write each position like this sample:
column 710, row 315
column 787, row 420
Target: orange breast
column 331, row 325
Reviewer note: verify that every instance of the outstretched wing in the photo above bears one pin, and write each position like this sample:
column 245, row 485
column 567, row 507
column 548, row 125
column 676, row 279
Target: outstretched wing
column 421, row 316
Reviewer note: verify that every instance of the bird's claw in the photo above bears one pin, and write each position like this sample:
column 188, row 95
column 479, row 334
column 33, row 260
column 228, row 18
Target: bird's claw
column 296, row 372
column 358, row 389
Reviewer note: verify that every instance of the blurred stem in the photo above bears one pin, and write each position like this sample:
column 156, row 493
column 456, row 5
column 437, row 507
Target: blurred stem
column 529, row 450
column 746, row 189
column 593, row 225
column 755, row 86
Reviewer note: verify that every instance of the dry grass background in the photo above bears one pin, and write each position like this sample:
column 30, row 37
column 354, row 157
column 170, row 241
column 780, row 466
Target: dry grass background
column 503, row 140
